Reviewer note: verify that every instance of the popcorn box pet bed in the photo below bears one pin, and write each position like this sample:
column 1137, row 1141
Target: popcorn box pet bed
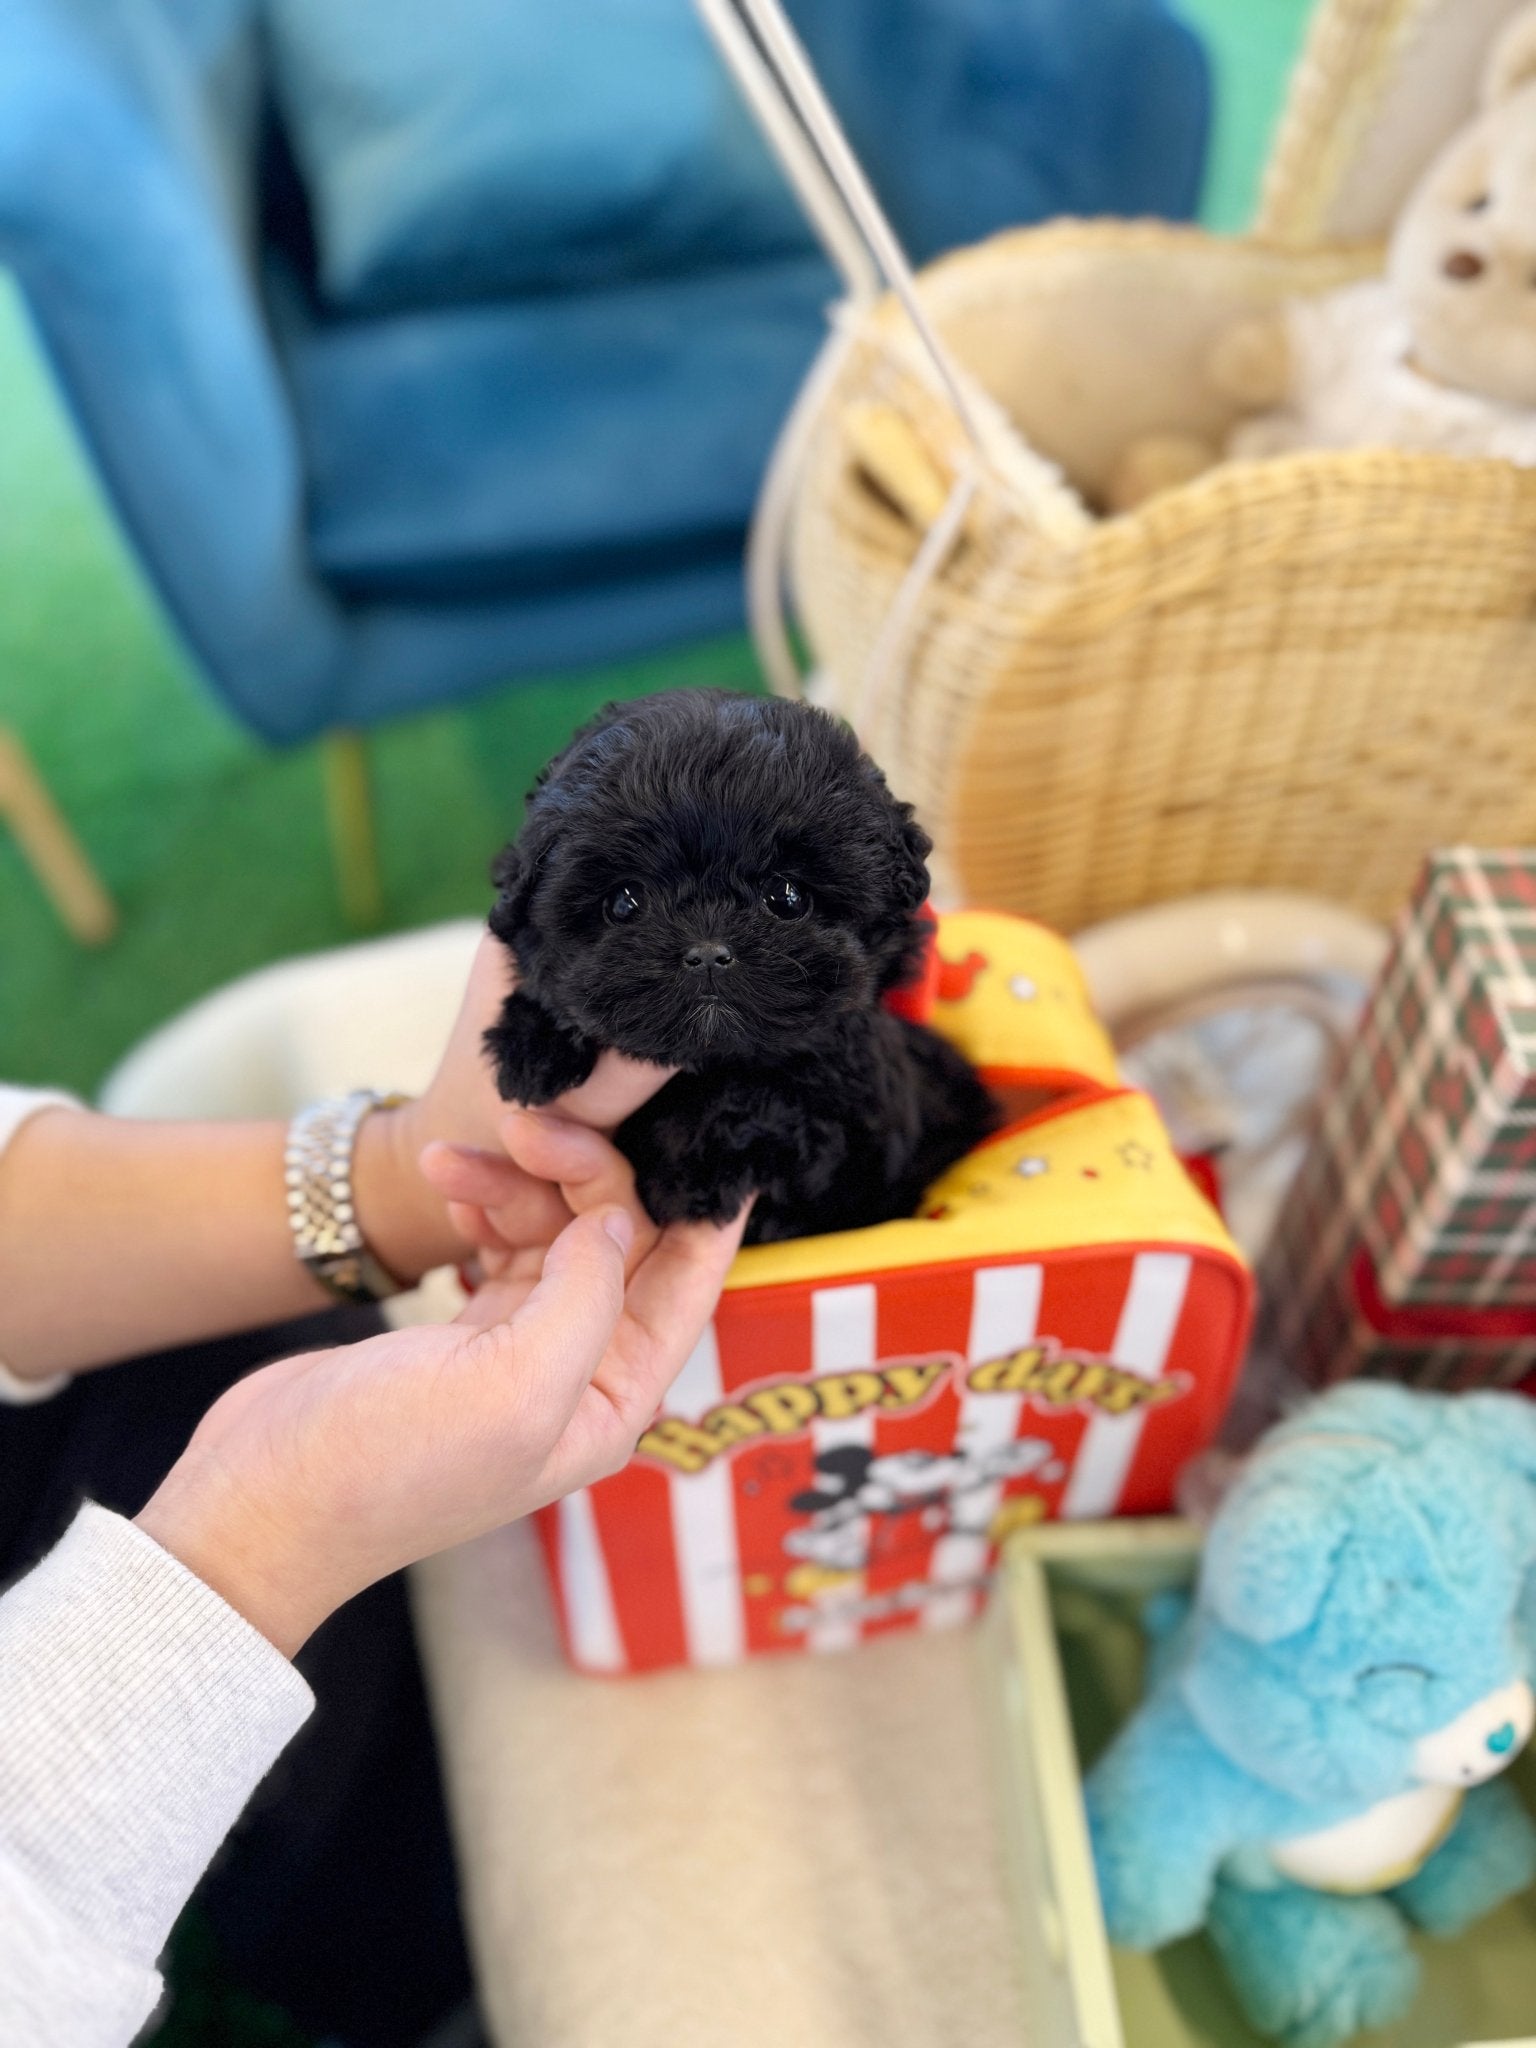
column 1055, row 1335
column 1295, row 673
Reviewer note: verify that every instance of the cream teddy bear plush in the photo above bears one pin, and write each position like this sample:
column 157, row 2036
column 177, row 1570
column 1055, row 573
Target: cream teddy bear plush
column 1439, row 354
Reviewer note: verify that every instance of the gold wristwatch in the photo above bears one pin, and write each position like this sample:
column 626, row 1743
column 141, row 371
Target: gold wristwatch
column 317, row 1167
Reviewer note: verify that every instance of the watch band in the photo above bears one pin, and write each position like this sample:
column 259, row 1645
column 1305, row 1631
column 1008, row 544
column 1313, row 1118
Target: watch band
column 317, row 1166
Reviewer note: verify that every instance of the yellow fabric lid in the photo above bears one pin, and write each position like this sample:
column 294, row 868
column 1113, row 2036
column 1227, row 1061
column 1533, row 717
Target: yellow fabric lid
column 1096, row 1169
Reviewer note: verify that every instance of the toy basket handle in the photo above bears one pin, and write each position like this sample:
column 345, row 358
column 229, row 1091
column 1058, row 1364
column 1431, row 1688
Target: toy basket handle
column 769, row 64
column 779, row 85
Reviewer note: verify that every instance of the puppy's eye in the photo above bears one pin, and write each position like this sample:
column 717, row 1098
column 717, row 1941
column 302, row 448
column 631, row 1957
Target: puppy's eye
column 785, row 898
column 1476, row 204
column 624, row 903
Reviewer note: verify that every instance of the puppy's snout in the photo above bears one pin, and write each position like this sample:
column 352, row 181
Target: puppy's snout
column 711, row 953
column 1464, row 265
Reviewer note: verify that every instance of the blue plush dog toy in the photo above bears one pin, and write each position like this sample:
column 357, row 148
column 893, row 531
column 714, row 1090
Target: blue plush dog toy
column 1315, row 1767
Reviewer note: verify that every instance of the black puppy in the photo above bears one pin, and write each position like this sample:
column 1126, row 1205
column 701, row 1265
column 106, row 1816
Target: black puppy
column 725, row 885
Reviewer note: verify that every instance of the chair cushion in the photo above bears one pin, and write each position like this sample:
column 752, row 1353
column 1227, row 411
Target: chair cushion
column 459, row 149
column 578, row 438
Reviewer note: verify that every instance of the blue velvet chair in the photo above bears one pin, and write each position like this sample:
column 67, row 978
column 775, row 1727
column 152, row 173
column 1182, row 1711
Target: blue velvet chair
column 423, row 344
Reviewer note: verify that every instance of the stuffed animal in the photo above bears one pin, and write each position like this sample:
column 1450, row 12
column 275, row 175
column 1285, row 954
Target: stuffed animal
column 1315, row 1767
column 1438, row 355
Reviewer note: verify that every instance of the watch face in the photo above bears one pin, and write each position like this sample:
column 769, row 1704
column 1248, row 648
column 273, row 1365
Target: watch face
column 354, row 1276
column 343, row 1273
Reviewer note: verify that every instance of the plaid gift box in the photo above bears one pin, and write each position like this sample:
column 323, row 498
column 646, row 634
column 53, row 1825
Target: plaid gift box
column 1407, row 1246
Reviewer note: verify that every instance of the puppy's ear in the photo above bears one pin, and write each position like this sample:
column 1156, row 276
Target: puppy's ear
column 515, row 871
column 911, row 847
column 897, row 934
column 903, row 842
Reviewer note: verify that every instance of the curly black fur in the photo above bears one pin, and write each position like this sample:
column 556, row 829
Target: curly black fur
column 724, row 884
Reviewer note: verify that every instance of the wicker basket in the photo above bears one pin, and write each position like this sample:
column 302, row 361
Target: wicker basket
column 1296, row 673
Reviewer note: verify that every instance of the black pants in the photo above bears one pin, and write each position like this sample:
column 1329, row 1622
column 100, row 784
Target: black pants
column 335, row 1896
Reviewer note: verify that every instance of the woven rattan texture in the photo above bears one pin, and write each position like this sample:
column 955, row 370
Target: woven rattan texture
column 1298, row 673
column 1344, row 67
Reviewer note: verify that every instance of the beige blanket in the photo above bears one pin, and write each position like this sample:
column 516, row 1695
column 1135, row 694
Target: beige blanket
column 797, row 1854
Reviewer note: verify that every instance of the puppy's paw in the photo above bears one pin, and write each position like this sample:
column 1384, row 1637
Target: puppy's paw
column 535, row 1059
column 670, row 1196
column 687, row 1170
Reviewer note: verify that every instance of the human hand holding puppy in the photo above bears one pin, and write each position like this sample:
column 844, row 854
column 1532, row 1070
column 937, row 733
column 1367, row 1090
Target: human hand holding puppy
column 316, row 1476
column 404, row 1217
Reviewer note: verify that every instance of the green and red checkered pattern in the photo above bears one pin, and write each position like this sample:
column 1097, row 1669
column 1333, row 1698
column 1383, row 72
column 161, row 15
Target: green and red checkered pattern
column 1408, row 1243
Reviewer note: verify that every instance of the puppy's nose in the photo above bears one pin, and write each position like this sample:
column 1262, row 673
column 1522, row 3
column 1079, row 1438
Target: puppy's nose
column 711, row 953
column 1463, row 264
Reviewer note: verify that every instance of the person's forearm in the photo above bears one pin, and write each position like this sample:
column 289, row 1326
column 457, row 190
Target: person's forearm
column 119, row 1237
column 138, row 1714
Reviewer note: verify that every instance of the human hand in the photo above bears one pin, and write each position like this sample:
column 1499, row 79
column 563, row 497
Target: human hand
column 550, row 1167
column 403, row 1217
column 314, row 1477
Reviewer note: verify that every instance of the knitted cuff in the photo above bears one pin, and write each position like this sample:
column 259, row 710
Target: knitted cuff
column 139, row 1713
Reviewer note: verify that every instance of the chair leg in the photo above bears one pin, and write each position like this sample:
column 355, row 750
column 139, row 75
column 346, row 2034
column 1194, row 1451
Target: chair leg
column 354, row 844
column 51, row 849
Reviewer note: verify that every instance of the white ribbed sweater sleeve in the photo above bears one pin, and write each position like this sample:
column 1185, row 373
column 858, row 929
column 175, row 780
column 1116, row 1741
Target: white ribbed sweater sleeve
column 16, row 1106
column 138, row 1712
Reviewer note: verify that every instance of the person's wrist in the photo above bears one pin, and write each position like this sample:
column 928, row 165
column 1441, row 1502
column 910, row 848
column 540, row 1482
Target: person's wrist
column 256, row 1558
column 403, row 1219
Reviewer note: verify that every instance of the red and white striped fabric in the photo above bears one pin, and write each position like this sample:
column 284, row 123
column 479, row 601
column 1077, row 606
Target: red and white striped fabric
column 686, row 1557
